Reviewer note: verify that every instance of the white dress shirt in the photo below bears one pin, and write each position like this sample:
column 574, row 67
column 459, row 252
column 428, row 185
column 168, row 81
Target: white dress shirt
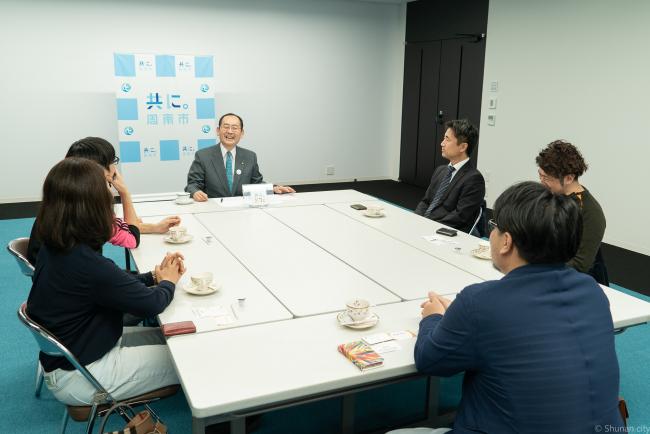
column 224, row 153
column 456, row 166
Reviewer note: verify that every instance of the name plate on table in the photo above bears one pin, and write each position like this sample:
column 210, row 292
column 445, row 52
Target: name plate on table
column 257, row 195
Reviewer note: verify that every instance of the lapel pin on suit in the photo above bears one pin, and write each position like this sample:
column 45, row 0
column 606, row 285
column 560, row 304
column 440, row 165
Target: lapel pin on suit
column 238, row 172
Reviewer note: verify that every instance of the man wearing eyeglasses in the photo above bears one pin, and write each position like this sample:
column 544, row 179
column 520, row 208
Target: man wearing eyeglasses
column 221, row 170
column 536, row 346
column 560, row 165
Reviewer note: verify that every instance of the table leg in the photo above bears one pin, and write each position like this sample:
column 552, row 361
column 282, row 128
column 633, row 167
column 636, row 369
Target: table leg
column 198, row 425
column 347, row 413
column 238, row 425
column 433, row 401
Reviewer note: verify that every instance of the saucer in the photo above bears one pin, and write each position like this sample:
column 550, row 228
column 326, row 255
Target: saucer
column 184, row 202
column 344, row 319
column 381, row 214
column 481, row 254
column 193, row 289
column 185, row 239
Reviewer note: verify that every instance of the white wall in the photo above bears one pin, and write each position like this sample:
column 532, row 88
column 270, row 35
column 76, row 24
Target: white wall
column 317, row 82
column 577, row 70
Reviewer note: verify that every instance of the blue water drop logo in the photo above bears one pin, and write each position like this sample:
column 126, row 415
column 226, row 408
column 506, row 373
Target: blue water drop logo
column 205, row 128
column 128, row 131
column 126, row 87
column 204, row 88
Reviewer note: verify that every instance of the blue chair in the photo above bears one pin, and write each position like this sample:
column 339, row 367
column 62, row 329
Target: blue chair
column 18, row 248
column 479, row 228
column 102, row 399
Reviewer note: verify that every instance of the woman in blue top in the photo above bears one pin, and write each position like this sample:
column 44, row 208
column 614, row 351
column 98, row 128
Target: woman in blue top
column 80, row 296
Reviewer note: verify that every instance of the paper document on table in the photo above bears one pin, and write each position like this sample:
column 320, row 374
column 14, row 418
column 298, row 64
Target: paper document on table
column 402, row 334
column 377, row 338
column 232, row 202
column 433, row 239
column 212, row 311
column 386, row 347
column 217, row 315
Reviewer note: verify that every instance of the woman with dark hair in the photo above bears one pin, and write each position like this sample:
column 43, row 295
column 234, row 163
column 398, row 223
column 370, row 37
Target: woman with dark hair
column 126, row 232
column 80, row 296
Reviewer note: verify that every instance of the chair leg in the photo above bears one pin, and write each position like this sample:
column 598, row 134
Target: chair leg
column 64, row 423
column 39, row 379
column 91, row 419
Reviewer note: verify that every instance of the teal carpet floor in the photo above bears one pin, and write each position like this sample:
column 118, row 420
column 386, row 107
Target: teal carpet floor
column 21, row 412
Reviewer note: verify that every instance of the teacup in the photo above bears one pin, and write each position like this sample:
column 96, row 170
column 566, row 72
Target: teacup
column 201, row 280
column 374, row 210
column 358, row 309
column 177, row 233
column 483, row 246
column 182, row 197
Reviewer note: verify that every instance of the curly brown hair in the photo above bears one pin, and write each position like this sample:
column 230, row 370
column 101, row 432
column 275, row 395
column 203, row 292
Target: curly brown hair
column 561, row 158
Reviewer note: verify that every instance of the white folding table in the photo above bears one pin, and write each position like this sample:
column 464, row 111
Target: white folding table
column 307, row 279
column 207, row 255
column 302, row 257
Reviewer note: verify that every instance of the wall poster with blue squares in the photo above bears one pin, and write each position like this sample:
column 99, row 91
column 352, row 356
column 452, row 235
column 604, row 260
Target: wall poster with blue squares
column 165, row 107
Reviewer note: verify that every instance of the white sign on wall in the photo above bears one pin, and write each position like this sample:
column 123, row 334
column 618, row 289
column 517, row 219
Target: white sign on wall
column 165, row 106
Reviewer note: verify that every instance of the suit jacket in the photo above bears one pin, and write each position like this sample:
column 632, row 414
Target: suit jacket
column 461, row 202
column 537, row 348
column 208, row 172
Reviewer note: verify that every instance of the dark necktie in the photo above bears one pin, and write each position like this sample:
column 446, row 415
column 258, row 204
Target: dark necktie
column 444, row 185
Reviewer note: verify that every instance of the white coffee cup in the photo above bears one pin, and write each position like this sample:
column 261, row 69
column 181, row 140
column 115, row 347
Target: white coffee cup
column 182, row 197
column 483, row 246
column 374, row 210
column 358, row 309
column 177, row 233
column 201, row 280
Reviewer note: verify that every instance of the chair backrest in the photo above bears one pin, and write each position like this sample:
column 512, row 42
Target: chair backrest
column 479, row 228
column 18, row 248
column 51, row 346
column 598, row 269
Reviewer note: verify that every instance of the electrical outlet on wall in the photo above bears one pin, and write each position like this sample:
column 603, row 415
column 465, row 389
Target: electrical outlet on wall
column 329, row 170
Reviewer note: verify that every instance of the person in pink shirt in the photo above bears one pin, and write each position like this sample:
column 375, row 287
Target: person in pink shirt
column 128, row 228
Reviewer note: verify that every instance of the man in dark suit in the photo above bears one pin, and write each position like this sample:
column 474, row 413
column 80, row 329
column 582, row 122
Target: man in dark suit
column 221, row 170
column 537, row 346
column 457, row 190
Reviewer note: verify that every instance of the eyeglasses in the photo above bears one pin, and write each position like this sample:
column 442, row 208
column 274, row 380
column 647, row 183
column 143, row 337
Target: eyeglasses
column 116, row 160
column 492, row 225
column 233, row 128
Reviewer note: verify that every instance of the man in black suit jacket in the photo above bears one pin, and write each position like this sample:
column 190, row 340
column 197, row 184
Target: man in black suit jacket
column 457, row 190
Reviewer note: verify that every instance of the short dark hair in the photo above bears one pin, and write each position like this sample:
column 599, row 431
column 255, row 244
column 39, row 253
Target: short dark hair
column 77, row 207
column 546, row 228
column 241, row 121
column 93, row 148
column 561, row 158
column 465, row 132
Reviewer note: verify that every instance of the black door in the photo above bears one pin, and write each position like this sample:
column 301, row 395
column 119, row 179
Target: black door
column 442, row 81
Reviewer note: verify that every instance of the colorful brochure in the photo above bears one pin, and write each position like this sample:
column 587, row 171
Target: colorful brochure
column 361, row 355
